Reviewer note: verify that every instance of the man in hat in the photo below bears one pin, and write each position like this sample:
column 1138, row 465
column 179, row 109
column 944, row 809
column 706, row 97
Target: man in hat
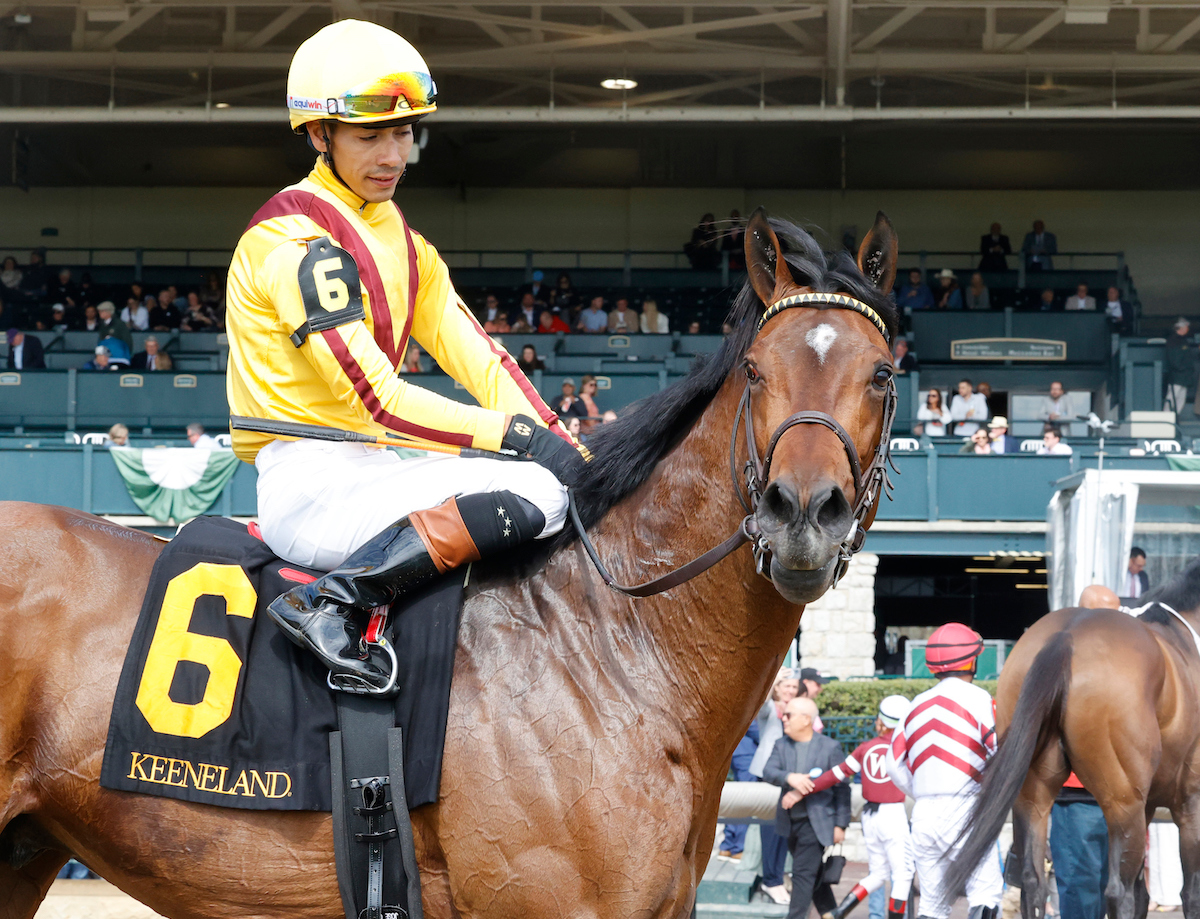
column 24, row 351
column 101, row 361
column 1001, row 441
column 112, row 326
column 1181, row 366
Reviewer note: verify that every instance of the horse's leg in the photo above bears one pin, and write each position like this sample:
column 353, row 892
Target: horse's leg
column 1126, row 856
column 1188, row 819
column 23, row 889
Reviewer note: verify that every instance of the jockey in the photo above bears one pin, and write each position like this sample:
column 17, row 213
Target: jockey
column 936, row 756
column 326, row 286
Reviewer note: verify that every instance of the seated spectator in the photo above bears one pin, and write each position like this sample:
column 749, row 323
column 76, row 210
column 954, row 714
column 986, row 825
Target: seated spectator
column 112, row 327
column 901, row 358
column 118, row 435
column 549, row 324
column 165, row 361
column 150, row 359
column 563, row 297
column 198, row 439
column 916, row 293
column 1081, row 300
column 704, row 248
column 993, row 247
column 608, row 417
column 136, row 314
column 198, row 317
column 1002, row 442
column 567, row 404
column 977, row 297
column 165, row 316
column 623, row 320
column 726, row 329
column 58, row 319
column 527, row 310
column 1049, row 301
column 412, row 359
column 733, row 241
column 979, row 444
column 177, row 298
column 118, row 352
column 212, row 295
column 35, row 278
column 693, row 327
column 11, row 276
column 90, row 321
column 593, row 319
column 1119, row 312
column 491, row 310
column 540, row 291
column 969, row 409
column 529, row 360
column 87, row 290
column 24, row 351
column 1039, row 248
column 100, row 361
column 63, row 290
column 587, row 397
column 521, row 327
column 1052, row 443
column 1055, row 407
column 933, row 416
column 499, row 325
column 654, row 322
column 949, row 295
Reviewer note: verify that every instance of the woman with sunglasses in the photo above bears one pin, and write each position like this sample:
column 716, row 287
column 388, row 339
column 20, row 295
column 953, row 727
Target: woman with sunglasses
column 933, row 415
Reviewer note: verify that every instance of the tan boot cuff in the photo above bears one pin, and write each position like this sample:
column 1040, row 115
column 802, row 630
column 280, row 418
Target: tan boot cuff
column 445, row 535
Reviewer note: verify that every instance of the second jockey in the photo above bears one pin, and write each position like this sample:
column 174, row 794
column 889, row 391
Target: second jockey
column 326, row 288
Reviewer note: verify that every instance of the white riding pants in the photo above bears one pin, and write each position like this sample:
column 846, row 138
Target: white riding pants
column 889, row 849
column 318, row 501
column 936, row 822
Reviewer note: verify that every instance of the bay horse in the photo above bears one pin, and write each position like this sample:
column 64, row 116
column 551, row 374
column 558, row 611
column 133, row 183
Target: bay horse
column 589, row 734
column 1116, row 699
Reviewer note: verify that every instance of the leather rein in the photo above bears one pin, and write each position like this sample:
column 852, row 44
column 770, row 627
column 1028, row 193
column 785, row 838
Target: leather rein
column 868, row 485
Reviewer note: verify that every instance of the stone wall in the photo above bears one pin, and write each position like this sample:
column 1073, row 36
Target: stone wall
column 837, row 632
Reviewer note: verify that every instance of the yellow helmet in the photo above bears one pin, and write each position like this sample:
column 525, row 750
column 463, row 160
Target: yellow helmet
column 358, row 72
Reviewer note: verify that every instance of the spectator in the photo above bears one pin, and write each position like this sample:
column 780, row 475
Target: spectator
column 112, row 327
column 538, row 290
column 977, row 296
column 87, row 290
column 969, row 409
column 593, row 319
column 529, row 360
column 734, row 841
column 64, row 290
column 1119, row 312
column 1181, row 367
column 1039, row 248
column 58, row 318
column 550, row 324
column 726, row 329
column 563, row 297
column 770, row 729
column 136, row 314
column 704, row 249
column 812, row 683
column 149, row 359
column 1081, row 300
column 198, row 439
column 35, row 278
column 993, row 247
column 118, row 435
column 1137, row 582
column 24, row 351
column 1079, row 847
column 654, row 322
column 1002, row 442
column 813, row 822
column 118, row 352
column 916, row 293
column 198, row 317
column 499, row 325
column 693, row 327
column 949, row 295
column 527, row 310
column 733, row 241
column 90, row 321
column 985, row 390
column 491, row 310
column 164, row 361
column 903, row 361
column 165, row 316
column 608, row 417
column 412, row 359
column 1052, row 443
column 567, row 404
column 100, row 361
column 979, row 444
column 623, row 319
column 1049, row 301
column 11, row 276
column 177, row 299
column 575, row 427
column 1056, row 406
column 521, row 327
column 212, row 295
column 587, row 397
column 933, row 415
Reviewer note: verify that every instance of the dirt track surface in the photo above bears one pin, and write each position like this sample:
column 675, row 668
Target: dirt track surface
column 91, row 900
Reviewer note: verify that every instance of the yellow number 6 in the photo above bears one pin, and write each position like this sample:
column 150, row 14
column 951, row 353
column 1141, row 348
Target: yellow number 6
column 173, row 643
column 331, row 292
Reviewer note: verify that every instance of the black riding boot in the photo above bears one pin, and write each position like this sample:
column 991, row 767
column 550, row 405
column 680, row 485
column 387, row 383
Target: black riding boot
column 328, row 616
column 856, row 896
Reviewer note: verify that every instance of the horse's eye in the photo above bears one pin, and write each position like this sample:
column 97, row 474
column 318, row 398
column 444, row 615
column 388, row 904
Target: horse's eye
column 882, row 377
column 752, row 373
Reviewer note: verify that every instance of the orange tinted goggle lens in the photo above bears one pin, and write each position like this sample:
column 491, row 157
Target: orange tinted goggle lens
column 397, row 93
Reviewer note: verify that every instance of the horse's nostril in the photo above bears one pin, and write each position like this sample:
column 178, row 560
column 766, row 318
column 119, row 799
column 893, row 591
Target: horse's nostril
column 781, row 502
column 833, row 513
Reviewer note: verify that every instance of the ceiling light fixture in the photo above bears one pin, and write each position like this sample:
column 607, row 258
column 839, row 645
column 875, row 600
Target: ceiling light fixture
column 619, row 83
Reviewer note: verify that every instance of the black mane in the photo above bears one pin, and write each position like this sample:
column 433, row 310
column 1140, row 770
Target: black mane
column 1181, row 593
column 626, row 451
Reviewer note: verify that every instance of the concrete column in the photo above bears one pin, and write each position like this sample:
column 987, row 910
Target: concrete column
column 837, row 632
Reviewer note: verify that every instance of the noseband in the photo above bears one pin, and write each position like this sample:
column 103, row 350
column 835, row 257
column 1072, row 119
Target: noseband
column 756, row 472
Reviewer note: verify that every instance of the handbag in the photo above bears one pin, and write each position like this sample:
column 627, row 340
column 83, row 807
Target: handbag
column 832, row 867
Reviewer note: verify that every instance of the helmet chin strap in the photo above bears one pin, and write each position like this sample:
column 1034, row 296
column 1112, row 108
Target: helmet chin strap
column 327, row 156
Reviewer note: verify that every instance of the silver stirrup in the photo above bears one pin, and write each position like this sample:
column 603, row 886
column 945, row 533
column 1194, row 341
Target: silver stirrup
column 346, row 682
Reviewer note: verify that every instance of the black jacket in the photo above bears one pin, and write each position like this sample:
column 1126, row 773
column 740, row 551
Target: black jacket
column 993, row 261
column 32, row 356
column 826, row 809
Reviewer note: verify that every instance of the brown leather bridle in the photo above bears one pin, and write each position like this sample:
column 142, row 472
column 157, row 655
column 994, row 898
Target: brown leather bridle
column 867, row 485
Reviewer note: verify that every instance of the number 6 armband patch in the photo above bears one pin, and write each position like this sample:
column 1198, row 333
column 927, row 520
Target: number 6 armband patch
column 329, row 289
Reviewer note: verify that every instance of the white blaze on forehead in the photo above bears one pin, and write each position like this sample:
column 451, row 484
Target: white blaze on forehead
column 821, row 339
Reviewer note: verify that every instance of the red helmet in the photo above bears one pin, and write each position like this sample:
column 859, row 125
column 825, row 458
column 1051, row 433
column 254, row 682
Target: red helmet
column 952, row 647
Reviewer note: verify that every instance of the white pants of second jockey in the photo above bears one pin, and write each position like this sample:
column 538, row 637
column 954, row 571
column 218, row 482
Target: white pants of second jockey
column 936, row 822
column 889, row 849
column 318, row 502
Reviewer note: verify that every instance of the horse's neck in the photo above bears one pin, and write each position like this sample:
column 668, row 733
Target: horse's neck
column 718, row 640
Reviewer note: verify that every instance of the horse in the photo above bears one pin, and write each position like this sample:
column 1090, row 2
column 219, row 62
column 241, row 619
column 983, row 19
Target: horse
column 589, row 734
column 1116, row 699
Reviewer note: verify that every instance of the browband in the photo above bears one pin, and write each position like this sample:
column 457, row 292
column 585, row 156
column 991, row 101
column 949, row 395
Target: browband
column 839, row 300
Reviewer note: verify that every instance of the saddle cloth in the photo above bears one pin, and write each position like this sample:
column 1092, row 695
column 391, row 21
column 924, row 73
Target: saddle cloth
column 216, row 706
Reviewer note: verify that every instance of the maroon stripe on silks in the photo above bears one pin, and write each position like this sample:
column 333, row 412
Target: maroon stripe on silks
column 363, row 387
column 325, row 215
column 300, row 577
column 949, row 759
column 933, row 725
column 899, row 746
column 414, row 279
column 947, row 704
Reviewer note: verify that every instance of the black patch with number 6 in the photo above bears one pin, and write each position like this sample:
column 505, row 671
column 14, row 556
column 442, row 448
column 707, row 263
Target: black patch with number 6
column 329, row 289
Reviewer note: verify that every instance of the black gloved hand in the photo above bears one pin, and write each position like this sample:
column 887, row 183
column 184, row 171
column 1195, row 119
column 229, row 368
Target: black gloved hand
column 526, row 436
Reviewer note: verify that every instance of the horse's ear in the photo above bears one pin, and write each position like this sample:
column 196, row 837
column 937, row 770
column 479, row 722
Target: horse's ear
column 769, row 275
column 878, row 253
